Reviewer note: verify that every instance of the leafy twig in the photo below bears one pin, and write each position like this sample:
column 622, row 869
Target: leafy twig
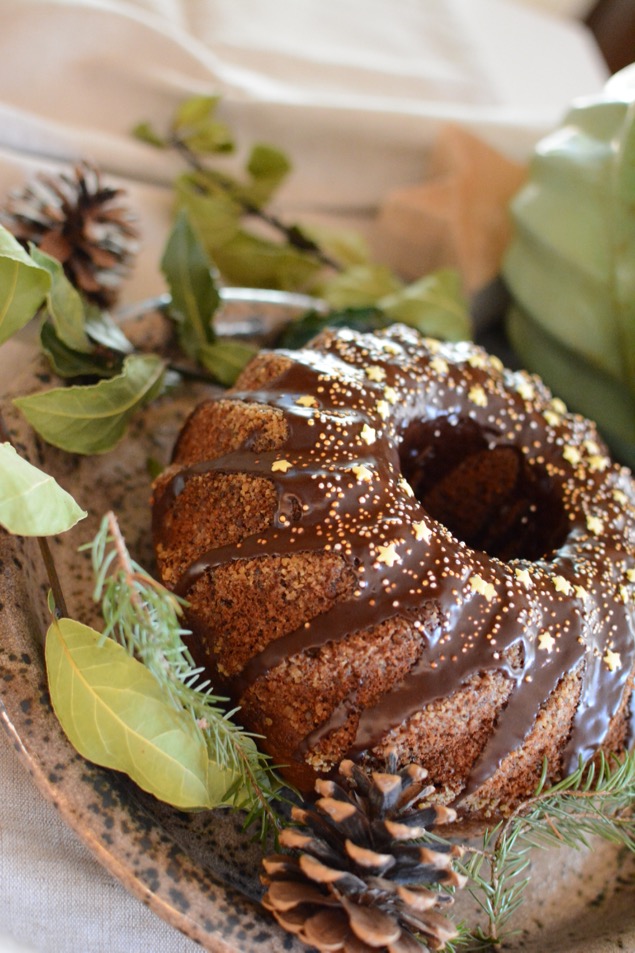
column 292, row 234
column 145, row 617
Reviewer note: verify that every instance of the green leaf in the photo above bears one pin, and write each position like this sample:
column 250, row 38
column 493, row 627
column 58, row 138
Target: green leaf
column 267, row 168
column 93, row 418
column 298, row 333
column 195, row 126
column 346, row 246
column 214, row 214
column 360, row 286
column 253, row 262
column 102, row 329
column 31, row 502
column 188, row 272
column 68, row 363
column 23, row 286
column 434, row 305
column 115, row 714
column 226, row 359
column 64, row 303
column 146, row 133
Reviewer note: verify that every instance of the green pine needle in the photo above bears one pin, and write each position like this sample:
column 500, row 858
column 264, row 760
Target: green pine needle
column 145, row 617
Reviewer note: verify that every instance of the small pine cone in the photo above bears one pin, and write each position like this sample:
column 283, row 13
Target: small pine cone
column 85, row 225
column 356, row 882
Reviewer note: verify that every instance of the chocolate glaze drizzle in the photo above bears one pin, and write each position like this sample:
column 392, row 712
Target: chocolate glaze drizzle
column 550, row 565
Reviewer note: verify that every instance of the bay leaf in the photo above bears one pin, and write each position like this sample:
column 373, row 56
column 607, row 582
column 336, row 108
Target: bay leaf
column 434, row 305
column 115, row 714
column 92, row 419
column 226, row 359
column 267, row 168
column 23, row 286
column 360, row 285
column 188, row 272
column 68, row 363
column 64, row 303
column 32, row 503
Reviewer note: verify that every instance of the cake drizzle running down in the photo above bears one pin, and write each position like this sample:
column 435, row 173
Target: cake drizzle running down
column 389, row 439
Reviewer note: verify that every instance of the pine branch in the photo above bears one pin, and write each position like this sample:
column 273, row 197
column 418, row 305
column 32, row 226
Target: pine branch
column 145, row 618
column 596, row 800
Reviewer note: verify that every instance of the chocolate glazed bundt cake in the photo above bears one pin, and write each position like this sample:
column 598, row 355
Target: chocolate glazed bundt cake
column 392, row 544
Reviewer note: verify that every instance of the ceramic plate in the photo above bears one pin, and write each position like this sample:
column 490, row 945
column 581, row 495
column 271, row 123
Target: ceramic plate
column 199, row 871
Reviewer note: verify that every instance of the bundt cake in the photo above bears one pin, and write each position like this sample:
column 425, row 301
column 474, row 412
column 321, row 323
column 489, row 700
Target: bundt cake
column 392, row 544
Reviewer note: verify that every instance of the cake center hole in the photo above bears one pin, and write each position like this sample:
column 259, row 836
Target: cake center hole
column 491, row 497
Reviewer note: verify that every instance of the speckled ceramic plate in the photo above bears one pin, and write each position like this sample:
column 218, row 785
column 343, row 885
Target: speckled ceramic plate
column 199, row 871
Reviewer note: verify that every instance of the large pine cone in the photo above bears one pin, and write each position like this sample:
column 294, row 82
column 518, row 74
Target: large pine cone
column 85, row 225
column 365, row 874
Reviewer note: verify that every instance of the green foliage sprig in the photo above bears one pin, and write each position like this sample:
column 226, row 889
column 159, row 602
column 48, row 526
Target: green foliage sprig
column 144, row 617
column 595, row 801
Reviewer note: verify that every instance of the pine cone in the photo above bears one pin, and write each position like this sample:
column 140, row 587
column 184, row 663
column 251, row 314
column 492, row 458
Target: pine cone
column 357, row 883
column 83, row 224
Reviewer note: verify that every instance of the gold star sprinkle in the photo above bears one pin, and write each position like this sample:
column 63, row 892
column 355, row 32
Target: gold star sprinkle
column 390, row 348
column 581, row 592
column 559, row 406
column 483, row 588
column 562, row 585
column 594, row 525
column 477, row 360
column 613, row 660
column 523, row 576
column 280, row 465
column 391, row 395
column 630, row 575
column 382, row 409
column 307, row 400
column 526, row 390
column 422, row 531
column 405, row 487
column 624, row 594
column 546, row 641
column 363, row 474
column 375, row 373
column 591, row 447
column 439, row 366
column 388, row 555
column 552, row 418
column 477, row 395
column 620, row 497
column 368, row 434
column 571, row 455
column 598, row 463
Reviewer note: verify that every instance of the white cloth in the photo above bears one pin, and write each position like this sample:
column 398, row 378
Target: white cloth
column 355, row 92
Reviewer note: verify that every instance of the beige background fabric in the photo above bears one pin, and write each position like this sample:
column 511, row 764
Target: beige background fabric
column 358, row 109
